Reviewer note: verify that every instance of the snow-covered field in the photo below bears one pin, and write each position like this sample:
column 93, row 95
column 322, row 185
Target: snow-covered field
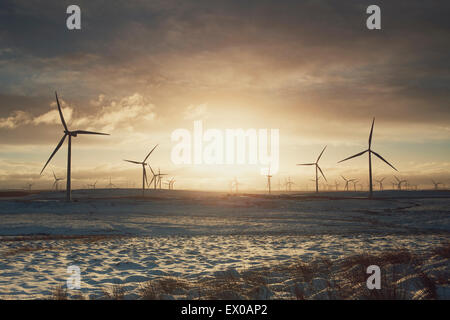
column 116, row 237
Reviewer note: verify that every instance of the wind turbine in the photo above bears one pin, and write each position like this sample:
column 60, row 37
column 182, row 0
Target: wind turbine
column 236, row 184
column 370, row 151
column 94, row 184
column 171, row 183
column 380, row 182
column 70, row 134
column 436, row 184
column 399, row 183
column 159, row 175
column 289, row 183
column 110, row 185
column 346, row 182
column 354, row 181
column 336, row 184
column 55, row 184
column 29, row 185
column 154, row 178
column 268, row 180
column 144, row 172
column 316, row 164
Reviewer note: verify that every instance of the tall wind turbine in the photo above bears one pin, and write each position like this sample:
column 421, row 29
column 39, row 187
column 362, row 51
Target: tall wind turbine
column 70, row 134
column 370, row 151
column 144, row 172
column 55, row 184
column 316, row 164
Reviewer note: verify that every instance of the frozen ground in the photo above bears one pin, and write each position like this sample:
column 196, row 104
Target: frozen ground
column 195, row 235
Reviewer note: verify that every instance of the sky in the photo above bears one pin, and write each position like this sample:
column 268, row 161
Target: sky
column 139, row 70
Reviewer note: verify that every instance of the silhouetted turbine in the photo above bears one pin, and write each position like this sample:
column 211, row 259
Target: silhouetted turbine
column 316, row 164
column 70, row 134
column 144, row 172
column 380, row 183
column 370, row 151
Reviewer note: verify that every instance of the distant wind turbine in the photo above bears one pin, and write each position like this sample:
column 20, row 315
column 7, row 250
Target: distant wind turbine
column 380, row 183
column 355, row 182
column 29, row 185
column 289, row 184
column 70, row 134
column 370, row 151
column 268, row 180
column 399, row 183
column 159, row 177
column 110, row 185
column 94, row 184
column 171, row 183
column 236, row 184
column 55, row 184
column 436, row 184
column 144, row 172
column 346, row 182
column 316, row 164
column 336, row 184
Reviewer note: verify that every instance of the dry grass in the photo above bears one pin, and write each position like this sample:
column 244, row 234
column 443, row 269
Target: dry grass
column 116, row 292
column 152, row 290
column 59, row 293
column 443, row 251
column 382, row 259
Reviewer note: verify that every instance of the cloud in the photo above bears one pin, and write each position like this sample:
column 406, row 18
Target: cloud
column 124, row 113
column 17, row 118
column 196, row 112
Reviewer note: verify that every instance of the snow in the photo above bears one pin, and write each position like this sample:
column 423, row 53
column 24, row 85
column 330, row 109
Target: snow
column 194, row 234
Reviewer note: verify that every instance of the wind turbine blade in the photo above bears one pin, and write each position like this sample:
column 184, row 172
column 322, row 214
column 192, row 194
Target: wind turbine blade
column 90, row 132
column 356, row 155
column 343, row 178
column 54, row 176
column 151, row 181
column 306, row 164
column 54, row 151
column 322, row 173
column 153, row 173
column 135, row 162
column 383, row 160
column 321, row 154
column 371, row 131
column 60, row 113
column 150, row 153
column 398, row 180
